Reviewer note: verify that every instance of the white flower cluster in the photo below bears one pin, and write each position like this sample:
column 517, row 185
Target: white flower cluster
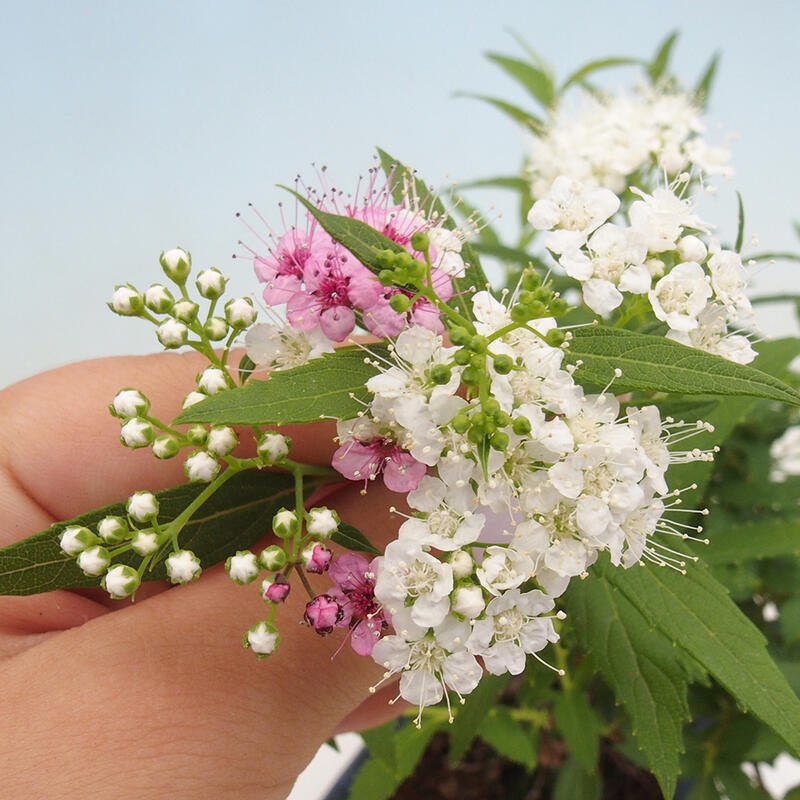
column 785, row 455
column 695, row 287
column 609, row 139
column 529, row 471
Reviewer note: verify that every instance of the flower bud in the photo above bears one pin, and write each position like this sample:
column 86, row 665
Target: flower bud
column 129, row 403
column 316, row 557
column 197, row 434
column 136, row 433
column 216, row 328
column 177, row 264
column 166, row 446
column 185, row 311
column 95, row 560
column 192, row 399
column 262, row 639
column 274, row 557
column 285, row 524
column 75, row 539
column 201, row 466
column 121, row 581
column 275, row 590
column 159, row 299
column 145, row 542
column 172, row 334
column 462, row 564
column 691, row 248
column 240, row 312
column 210, row 283
column 243, row 567
column 322, row 614
column 183, row 567
column 467, row 601
column 113, row 530
column 221, row 441
column 126, row 301
column 273, row 447
column 212, row 380
column 142, row 506
column 322, row 522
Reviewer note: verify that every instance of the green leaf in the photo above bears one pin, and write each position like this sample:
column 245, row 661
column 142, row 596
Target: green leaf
column 471, row 715
column 696, row 613
column 246, row 367
column 640, row 666
column 658, row 66
column 580, row 727
column 332, row 386
column 593, row 66
column 351, row 538
column 237, row 515
column 374, row 781
column 752, row 541
column 520, row 115
column 657, row 364
column 510, row 737
column 703, row 88
column 740, row 228
column 573, row 782
column 536, row 81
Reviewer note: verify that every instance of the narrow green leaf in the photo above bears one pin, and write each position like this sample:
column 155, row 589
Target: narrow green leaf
column 657, row 364
column 471, row 715
column 239, row 514
column 352, row 538
column 658, row 66
column 374, row 781
column 696, row 613
column 640, row 665
column 579, row 75
column 246, row 367
column 536, row 81
column 580, row 727
column 332, row 386
column 740, row 229
column 511, row 738
column 703, row 88
column 519, row 115
column 573, row 782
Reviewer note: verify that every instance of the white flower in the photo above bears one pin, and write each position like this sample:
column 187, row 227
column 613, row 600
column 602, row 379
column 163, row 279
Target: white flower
column 183, row 566
column 503, row 568
column 201, row 466
column 121, row 581
column 158, row 298
column 282, row 347
column 443, row 528
column 659, row 219
column 785, row 455
column 711, row 335
column 212, row 380
column 447, row 245
column 112, row 530
column 680, row 296
column 130, row 403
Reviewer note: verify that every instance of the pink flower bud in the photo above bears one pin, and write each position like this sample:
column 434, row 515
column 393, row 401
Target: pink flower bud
column 322, row 614
column 317, row 558
column 275, row 590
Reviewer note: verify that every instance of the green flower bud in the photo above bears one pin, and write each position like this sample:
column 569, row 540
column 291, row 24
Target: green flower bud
column 177, row 264
column 211, row 283
column 285, row 524
column 126, row 301
column 159, row 299
column 441, row 374
column 420, row 241
column 273, row 558
column 216, row 328
column 185, row 311
column 76, row 538
column 400, row 303
column 166, row 446
column 503, row 364
column 121, row 581
column 113, row 530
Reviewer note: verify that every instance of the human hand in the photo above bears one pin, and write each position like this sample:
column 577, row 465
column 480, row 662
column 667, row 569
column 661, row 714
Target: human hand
column 155, row 698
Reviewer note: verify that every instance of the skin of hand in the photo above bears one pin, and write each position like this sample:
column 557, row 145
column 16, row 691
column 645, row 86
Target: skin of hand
column 155, row 698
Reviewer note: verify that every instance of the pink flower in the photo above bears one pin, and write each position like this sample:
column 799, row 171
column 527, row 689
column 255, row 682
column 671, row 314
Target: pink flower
column 366, row 460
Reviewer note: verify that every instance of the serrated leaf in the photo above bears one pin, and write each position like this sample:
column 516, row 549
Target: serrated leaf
column 580, row 726
column 510, row 737
column 657, row 364
column 536, row 81
column 351, row 538
column 696, row 613
column 331, row 386
column 638, row 664
column 237, row 515
column 469, row 717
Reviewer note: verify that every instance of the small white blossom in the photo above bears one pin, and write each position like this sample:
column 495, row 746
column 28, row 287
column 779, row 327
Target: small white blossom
column 680, row 296
column 785, row 455
column 176, row 263
column 158, row 298
column 503, row 568
column 112, row 530
column 468, row 601
column 183, row 566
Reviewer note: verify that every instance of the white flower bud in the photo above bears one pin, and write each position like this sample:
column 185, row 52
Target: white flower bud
column 197, row 434
column 322, row 522
column 216, row 328
column 129, row 403
column 121, row 581
column 273, row 447
column 159, row 299
column 691, row 248
column 95, row 560
column 210, row 283
column 183, row 567
column 76, row 539
column 142, row 506
column 262, row 639
column 273, row 558
column 177, row 264
column 145, row 542
column 126, row 301
column 285, row 523
column 193, row 398
column 240, row 312
column 468, row 601
column 243, row 567
column 212, row 380
column 172, row 333
column 136, row 433
column 201, row 466
column 185, row 311
column 462, row 564
column 221, row 441
column 113, row 530
column 166, row 446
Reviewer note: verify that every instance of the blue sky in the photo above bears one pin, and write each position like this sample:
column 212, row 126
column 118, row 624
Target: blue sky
column 131, row 128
